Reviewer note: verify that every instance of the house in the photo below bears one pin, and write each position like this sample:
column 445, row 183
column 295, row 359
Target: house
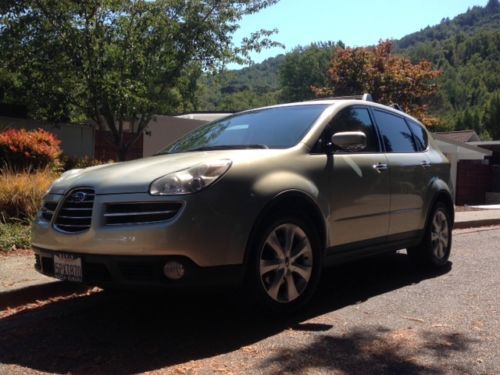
column 493, row 195
column 470, row 171
column 463, row 136
column 493, row 146
column 475, row 166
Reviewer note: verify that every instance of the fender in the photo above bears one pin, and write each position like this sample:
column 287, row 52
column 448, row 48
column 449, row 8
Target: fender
column 304, row 201
column 273, row 184
column 438, row 189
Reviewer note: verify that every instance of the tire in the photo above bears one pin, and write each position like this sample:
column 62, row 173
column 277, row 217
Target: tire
column 285, row 265
column 435, row 248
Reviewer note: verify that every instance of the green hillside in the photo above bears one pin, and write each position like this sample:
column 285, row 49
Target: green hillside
column 475, row 19
column 466, row 48
column 253, row 86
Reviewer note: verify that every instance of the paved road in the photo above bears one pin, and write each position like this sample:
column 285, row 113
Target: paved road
column 377, row 316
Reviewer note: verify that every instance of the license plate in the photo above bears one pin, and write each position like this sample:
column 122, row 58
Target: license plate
column 68, row 267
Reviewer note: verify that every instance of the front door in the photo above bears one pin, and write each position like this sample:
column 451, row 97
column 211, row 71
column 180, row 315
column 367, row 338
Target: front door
column 359, row 183
column 360, row 198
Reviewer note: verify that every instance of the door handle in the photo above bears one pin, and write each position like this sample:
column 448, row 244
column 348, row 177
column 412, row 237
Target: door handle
column 425, row 164
column 380, row 167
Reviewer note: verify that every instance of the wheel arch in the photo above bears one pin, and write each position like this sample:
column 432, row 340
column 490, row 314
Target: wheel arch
column 288, row 202
column 441, row 194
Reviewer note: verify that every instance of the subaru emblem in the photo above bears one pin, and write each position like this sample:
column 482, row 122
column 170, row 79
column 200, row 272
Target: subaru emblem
column 79, row 196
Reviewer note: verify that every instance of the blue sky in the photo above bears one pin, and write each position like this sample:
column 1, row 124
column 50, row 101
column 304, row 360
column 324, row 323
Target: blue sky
column 355, row 22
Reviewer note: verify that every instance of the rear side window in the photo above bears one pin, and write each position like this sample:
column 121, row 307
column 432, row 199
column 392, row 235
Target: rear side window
column 420, row 134
column 396, row 136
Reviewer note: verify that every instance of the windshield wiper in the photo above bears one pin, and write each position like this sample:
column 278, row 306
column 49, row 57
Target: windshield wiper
column 229, row 147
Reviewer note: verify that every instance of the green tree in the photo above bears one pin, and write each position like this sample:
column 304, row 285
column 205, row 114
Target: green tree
column 492, row 6
column 118, row 62
column 491, row 116
column 304, row 68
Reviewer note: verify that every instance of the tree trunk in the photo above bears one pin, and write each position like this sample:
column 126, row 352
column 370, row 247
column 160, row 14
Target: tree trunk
column 121, row 152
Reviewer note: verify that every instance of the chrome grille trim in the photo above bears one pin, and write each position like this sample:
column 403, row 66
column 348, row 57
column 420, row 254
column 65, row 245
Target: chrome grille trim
column 48, row 209
column 141, row 213
column 74, row 217
column 75, row 226
column 127, row 213
column 75, row 211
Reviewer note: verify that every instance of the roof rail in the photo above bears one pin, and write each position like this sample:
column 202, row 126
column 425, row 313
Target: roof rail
column 397, row 106
column 366, row 97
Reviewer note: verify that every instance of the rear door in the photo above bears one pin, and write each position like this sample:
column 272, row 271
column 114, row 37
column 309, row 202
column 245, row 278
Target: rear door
column 408, row 172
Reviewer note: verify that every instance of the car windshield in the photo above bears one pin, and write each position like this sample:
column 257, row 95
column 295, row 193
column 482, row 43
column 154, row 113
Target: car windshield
column 279, row 127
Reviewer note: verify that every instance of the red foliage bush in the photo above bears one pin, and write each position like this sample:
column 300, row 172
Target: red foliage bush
column 21, row 149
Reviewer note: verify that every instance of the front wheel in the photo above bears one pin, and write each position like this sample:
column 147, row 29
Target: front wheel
column 286, row 264
column 435, row 248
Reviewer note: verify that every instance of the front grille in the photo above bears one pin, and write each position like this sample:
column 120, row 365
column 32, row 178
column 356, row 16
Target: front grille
column 48, row 210
column 75, row 212
column 140, row 213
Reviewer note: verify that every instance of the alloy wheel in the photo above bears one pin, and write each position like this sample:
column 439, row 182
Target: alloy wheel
column 286, row 263
column 440, row 234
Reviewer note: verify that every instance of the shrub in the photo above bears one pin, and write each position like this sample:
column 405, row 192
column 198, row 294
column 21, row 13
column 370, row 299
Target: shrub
column 71, row 162
column 21, row 149
column 21, row 193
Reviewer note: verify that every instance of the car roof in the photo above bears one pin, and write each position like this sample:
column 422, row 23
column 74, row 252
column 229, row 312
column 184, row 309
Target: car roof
column 345, row 101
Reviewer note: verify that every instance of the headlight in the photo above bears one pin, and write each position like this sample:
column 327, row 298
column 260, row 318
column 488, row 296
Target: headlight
column 190, row 180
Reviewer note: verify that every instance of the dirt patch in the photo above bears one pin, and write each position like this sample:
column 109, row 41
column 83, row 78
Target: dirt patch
column 16, row 252
column 467, row 208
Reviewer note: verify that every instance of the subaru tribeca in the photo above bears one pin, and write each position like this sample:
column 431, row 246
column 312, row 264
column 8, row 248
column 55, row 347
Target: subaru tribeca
column 265, row 198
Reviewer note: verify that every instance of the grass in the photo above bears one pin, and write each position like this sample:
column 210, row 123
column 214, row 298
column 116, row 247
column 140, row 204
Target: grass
column 14, row 236
column 21, row 194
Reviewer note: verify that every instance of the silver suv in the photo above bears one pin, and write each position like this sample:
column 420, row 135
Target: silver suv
column 264, row 198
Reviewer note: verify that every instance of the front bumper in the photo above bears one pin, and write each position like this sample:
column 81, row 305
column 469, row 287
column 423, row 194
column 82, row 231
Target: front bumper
column 142, row 271
column 208, row 231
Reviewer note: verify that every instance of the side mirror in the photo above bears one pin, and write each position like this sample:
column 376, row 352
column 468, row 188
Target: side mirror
column 350, row 141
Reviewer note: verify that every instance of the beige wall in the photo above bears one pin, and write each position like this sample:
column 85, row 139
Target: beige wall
column 164, row 130
column 76, row 139
column 79, row 140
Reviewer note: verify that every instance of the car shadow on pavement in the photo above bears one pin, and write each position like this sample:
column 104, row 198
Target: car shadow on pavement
column 128, row 333
column 374, row 350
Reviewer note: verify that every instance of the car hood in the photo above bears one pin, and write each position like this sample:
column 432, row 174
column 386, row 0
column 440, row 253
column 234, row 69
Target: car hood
column 136, row 176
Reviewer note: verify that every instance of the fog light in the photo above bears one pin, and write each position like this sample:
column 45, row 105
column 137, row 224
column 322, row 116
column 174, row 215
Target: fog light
column 174, row 270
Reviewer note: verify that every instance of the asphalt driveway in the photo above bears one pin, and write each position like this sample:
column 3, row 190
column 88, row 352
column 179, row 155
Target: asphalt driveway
column 377, row 316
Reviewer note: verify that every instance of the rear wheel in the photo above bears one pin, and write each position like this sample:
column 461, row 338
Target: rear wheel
column 286, row 264
column 434, row 250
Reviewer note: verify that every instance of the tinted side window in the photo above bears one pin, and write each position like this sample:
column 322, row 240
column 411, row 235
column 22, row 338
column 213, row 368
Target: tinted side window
column 354, row 119
column 419, row 133
column 396, row 135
